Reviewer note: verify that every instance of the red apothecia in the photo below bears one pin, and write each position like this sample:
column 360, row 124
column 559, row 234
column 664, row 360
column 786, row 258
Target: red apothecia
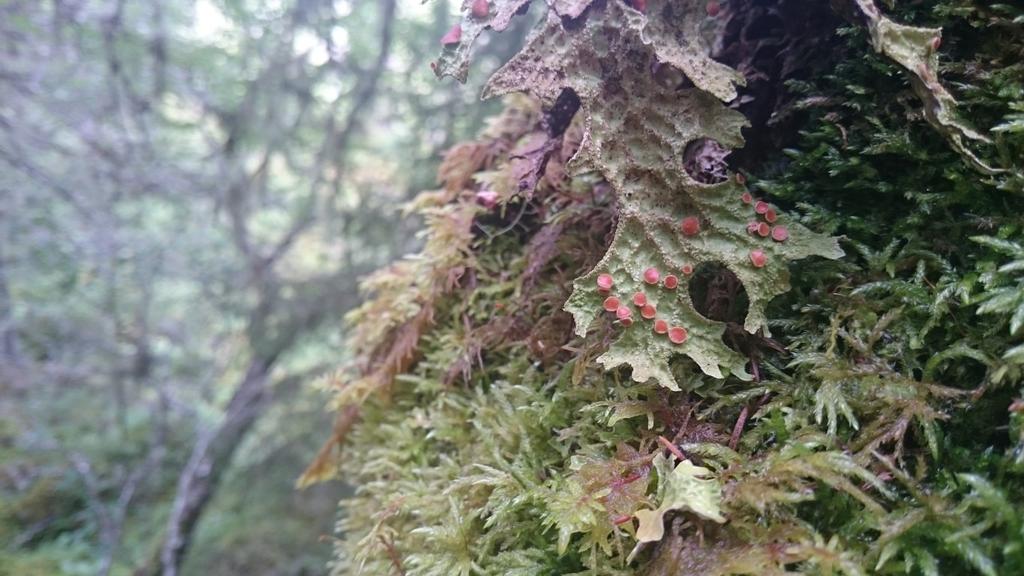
column 454, row 36
column 639, row 299
column 677, row 334
column 625, row 315
column 651, row 275
column 481, row 8
column 758, row 258
column 487, row 198
column 690, row 226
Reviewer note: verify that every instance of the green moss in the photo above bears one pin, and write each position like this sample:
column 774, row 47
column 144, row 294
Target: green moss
column 880, row 432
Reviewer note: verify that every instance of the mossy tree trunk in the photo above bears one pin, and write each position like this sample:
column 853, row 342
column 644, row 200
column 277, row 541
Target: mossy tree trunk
column 729, row 319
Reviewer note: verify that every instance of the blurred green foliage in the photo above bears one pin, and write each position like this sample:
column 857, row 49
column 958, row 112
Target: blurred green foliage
column 179, row 205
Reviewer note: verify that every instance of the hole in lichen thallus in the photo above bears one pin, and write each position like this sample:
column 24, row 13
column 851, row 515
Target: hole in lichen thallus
column 717, row 293
column 704, row 161
column 561, row 113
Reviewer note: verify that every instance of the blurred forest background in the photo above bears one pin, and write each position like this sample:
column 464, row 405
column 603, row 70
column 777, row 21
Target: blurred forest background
column 190, row 191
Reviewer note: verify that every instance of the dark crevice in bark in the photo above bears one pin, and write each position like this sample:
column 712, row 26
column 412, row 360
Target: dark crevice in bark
column 561, row 114
column 772, row 42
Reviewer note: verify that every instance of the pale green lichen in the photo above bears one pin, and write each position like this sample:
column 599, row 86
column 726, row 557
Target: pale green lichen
column 917, row 51
column 636, row 132
column 454, row 59
column 684, row 487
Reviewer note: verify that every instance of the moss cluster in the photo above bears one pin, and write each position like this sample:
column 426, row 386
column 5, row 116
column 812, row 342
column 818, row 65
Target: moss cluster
column 882, row 431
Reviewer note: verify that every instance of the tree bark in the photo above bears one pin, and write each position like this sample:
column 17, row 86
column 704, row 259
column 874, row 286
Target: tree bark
column 10, row 351
column 214, row 449
column 206, row 466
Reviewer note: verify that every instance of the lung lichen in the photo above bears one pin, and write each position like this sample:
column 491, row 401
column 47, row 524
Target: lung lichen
column 546, row 388
column 635, row 133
